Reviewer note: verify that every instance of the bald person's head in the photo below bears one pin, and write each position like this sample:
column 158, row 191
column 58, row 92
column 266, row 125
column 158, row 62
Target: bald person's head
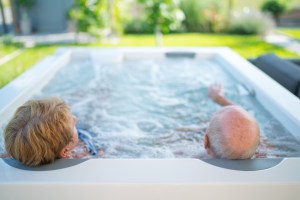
column 232, row 134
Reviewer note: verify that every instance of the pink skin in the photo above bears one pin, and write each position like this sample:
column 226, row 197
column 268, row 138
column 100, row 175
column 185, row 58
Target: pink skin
column 234, row 120
column 66, row 152
column 216, row 93
column 76, row 148
column 207, row 146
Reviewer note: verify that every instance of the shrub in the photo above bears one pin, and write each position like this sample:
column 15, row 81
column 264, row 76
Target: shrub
column 203, row 16
column 137, row 25
column 8, row 40
column 193, row 18
column 88, row 15
column 275, row 7
column 250, row 22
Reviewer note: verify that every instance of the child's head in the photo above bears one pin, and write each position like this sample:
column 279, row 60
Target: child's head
column 41, row 131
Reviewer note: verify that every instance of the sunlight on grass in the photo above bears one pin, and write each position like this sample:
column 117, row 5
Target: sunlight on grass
column 246, row 46
column 22, row 62
column 6, row 50
column 292, row 32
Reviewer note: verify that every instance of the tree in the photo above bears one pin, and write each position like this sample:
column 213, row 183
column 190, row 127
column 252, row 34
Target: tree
column 275, row 7
column 114, row 18
column 231, row 4
column 24, row 20
column 162, row 16
column 3, row 18
column 89, row 15
column 15, row 18
column 95, row 16
column 204, row 16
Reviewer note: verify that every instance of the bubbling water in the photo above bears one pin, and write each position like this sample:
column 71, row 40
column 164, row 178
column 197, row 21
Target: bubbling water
column 157, row 108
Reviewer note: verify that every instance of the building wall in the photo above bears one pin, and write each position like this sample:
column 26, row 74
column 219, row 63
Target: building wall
column 290, row 19
column 50, row 16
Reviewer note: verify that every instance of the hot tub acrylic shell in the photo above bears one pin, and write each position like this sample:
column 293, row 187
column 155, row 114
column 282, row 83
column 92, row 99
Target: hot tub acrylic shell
column 154, row 178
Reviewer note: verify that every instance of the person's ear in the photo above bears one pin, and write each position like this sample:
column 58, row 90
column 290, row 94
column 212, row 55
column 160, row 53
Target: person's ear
column 64, row 153
column 206, row 142
column 74, row 119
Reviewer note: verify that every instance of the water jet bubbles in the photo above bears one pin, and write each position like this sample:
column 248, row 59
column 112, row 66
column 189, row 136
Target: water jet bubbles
column 134, row 108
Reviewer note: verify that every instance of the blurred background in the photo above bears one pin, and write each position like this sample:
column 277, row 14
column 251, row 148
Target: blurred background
column 115, row 17
column 32, row 29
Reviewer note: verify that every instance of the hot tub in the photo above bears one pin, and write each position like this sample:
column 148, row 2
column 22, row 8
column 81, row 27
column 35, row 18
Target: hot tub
column 188, row 178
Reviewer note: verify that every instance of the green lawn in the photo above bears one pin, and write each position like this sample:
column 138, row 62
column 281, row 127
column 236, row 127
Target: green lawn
column 292, row 32
column 246, row 46
column 22, row 62
column 5, row 50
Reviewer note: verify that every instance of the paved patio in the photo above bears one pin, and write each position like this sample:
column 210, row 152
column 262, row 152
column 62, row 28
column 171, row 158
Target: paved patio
column 54, row 38
column 284, row 41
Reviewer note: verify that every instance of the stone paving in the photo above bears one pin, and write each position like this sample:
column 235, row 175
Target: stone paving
column 54, row 38
column 284, row 41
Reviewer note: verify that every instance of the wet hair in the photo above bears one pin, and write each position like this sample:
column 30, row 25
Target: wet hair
column 38, row 131
column 233, row 133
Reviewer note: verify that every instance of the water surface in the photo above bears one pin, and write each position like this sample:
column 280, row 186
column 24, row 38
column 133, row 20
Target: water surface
column 157, row 108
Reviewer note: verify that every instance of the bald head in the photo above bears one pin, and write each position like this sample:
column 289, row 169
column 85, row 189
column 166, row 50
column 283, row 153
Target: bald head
column 232, row 134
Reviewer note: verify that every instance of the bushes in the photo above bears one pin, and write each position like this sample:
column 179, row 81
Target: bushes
column 193, row 18
column 89, row 16
column 137, row 25
column 97, row 16
column 274, row 7
column 203, row 16
column 249, row 22
column 8, row 40
column 209, row 16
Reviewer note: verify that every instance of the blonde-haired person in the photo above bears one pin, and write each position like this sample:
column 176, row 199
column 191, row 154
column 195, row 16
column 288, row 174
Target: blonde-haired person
column 232, row 132
column 41, row 131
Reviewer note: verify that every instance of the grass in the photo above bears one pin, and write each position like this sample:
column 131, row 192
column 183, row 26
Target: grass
column 246, row 46
column 292, row 32
column 22, row 62
column 5, row 50
column 256, row 4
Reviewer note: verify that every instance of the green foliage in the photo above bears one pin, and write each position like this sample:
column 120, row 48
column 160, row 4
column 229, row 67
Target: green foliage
column 138, row 25
column 116, row 16
column 193, row 18
column 93, row 16
column 90, row 16
column 203, row 16
column 249, row 22
column 291, row 32
column 162, row 15
column 22, row 62
column 8, row 45
column 8, row 40
column 25, row 3
column 275, row 7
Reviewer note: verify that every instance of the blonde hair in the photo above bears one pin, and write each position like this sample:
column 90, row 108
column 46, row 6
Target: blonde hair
column 38, row 131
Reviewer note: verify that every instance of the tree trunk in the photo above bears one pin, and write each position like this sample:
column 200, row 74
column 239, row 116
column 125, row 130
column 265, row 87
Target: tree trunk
column 158, row 36
column 229, row 10
column 15, row 18
column 3, row 18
